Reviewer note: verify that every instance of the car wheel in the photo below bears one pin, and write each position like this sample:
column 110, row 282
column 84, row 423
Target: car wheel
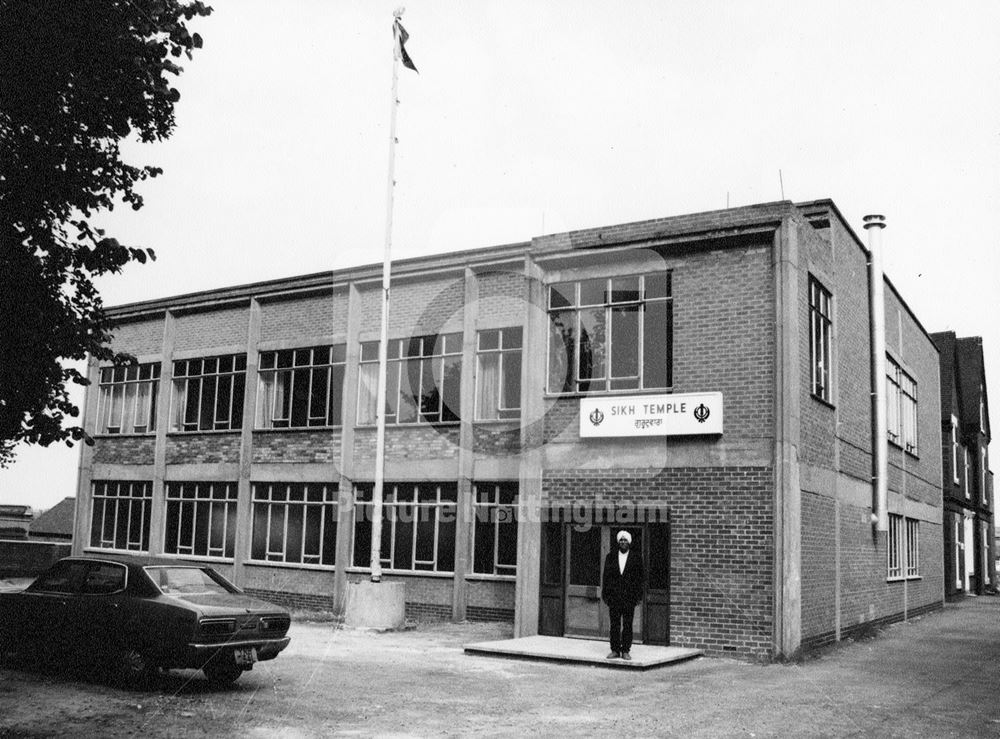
column 135, row 668
column 221, row 674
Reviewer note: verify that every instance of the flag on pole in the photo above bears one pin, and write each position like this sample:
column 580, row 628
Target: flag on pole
column 401, row 38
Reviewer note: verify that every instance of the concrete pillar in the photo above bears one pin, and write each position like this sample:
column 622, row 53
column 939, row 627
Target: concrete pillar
column 244, row 492
column 529, row 530
column 83, row 509
column 466, row 456
column 345, row 507
column 157, row 518
column 787, row 490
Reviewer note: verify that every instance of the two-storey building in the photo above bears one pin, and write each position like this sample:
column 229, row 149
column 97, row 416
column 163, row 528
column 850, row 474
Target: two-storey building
column 704, row 381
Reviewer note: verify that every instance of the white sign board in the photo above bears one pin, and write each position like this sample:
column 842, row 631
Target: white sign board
column 680, row 414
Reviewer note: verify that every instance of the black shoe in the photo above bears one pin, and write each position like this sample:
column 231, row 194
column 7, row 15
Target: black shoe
column 613, row 655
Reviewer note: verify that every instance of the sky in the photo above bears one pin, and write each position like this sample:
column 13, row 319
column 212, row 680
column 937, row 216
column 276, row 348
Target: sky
column 534, row 117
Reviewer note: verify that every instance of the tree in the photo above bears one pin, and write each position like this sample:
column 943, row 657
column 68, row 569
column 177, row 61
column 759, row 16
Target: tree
column 77, row 77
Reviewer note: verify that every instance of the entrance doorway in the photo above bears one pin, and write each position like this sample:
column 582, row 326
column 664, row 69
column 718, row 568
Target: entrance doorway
column 572, row 558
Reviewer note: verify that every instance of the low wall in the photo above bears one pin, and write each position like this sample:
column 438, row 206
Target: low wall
column 25, row 558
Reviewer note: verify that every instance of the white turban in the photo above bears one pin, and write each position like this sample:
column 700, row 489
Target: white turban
column 624, row 535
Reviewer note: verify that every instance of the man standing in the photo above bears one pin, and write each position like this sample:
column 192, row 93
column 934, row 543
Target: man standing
column 621, row 589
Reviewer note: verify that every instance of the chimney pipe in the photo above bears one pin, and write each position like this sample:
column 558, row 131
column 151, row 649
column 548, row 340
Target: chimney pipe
column 880, row 514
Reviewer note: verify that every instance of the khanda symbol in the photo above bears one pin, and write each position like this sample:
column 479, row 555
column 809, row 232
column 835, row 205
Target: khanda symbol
column 596, row 416
column 702, row 413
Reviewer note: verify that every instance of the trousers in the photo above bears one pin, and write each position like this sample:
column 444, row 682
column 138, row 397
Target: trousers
column 621, row 627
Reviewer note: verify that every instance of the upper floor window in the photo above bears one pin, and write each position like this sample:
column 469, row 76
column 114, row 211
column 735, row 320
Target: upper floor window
column 301, row 387
column 820, row 334
column 127, row 399
column 982, row 474
column 208, row 393
column 968, row 463
column 609, row 334
column 498, row 375
column 954, row 450
column 423, row 380
column 901, row 406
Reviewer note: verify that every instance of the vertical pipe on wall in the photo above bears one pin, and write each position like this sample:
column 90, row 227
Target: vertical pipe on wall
column 880, row 516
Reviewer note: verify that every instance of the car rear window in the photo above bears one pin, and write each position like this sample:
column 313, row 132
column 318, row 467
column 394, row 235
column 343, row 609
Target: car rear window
column 185, row 581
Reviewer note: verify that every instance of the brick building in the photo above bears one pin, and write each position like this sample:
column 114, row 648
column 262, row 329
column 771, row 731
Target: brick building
column 704, row 381
column 969, row 546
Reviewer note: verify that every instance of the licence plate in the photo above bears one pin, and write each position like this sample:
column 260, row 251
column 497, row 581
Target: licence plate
column 245, row 655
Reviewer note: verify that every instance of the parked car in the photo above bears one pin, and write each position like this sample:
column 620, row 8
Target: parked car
column 141, row 614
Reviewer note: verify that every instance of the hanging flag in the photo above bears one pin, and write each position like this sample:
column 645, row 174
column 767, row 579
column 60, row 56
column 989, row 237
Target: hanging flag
column 401, row 38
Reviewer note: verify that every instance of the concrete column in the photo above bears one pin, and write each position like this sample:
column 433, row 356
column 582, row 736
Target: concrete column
column 466, row 457
column 159, row 504
column 244, row 494
column 83, row 510
column 787, row 490
column 529, row 530
column 345, row 507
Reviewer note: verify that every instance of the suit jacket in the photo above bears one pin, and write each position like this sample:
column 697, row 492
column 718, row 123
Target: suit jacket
column 623, row 589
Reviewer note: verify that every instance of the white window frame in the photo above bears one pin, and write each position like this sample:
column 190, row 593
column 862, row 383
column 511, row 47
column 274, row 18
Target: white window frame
column 982, row 474
column 273, row 499
column 493, row 512
column 968, row 464
column 317, row 366
column 606, row 383
column 503, row 352
column 820, row 340
column 117, row 508
column 202, row 499
column 903, row 548
column 233, row 420
column 954, row 448
column 136, row 388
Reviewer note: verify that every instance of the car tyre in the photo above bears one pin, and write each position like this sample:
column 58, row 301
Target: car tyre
column 135, row 668
column 221, row 674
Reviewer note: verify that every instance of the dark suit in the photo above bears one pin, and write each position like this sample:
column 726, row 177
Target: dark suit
column 622, row 591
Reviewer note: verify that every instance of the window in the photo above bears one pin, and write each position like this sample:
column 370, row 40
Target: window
column 965, row 456
column 423, row 380
column 901, row 407
column 201, row 519
column 904, row 547
column 498, row 375
column 208, row 393
column 104, row 578
column 611, row 334
column 494, row 535
column 982, row 474
column 418, row 526
column 120, row 517
column 301, row 387
column 295, row 523
column 954, row 449
column 127, row 399
column 820, row 334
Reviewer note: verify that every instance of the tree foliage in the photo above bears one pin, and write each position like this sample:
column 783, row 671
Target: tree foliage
column 77, row 77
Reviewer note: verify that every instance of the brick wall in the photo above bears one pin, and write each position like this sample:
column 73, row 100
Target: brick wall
column 203, row 448
column 818, row 565
column 139, row 337
column 416, row 308
column 301, row 447
column 304, row 317
column 124, row 449
column 492, row 440
column 216, row 328
column 501, row 298
column 410, row 442
column 722, row 548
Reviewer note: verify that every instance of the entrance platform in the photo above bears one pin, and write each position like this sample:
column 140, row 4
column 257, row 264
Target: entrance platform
column 581, row 651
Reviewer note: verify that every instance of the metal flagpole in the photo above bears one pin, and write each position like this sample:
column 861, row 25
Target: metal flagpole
column 383, row 342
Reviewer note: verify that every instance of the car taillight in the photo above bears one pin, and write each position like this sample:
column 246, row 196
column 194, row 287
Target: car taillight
column 274, row 623
column 217, row 626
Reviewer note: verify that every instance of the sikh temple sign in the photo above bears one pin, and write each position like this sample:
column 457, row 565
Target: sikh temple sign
column 675, row 414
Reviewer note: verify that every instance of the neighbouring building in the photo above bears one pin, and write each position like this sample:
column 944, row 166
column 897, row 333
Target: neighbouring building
column 15, row 521
column 969, row 534
column 55, row 524
column 704, row 381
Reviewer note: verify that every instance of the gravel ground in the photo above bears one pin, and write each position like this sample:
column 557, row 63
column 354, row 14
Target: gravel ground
column 935, row 676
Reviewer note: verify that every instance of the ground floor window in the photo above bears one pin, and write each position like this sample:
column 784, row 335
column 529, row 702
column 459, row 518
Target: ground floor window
column 494, row 533
column 295, row 523
column 904, row 547
column 201, row 519
column 120, row 518
column 418, row 526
